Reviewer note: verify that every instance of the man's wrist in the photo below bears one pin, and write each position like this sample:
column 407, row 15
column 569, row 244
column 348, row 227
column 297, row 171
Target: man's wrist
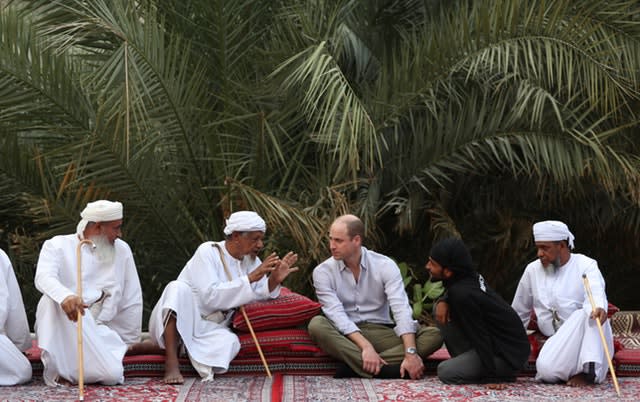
column 411, row 350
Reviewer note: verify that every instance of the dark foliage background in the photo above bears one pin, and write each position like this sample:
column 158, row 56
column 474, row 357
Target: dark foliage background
column 426, row 118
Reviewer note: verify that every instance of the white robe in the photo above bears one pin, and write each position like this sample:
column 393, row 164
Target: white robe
column 114, row 324
column 15, row 337
column 200, row 292
column 577, row 341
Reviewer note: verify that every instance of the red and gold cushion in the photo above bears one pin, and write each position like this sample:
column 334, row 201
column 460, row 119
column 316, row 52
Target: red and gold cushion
column 280, row 342
column 288, row 310
column 627, row 362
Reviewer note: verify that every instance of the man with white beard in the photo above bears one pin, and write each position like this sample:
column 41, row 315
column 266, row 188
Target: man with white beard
column 111, row 303
column 196, row 309
column 15, row 337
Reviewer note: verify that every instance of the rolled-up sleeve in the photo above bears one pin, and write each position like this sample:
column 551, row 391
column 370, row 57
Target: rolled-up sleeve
column 398, row 300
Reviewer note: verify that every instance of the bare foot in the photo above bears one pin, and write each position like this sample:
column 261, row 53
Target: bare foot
column 144, row 348
column 172, row 372
column 498, row 386
column 63, row 382
column 578, row 380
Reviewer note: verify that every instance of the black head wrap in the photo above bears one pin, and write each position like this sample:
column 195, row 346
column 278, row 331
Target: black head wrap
column 452, row 253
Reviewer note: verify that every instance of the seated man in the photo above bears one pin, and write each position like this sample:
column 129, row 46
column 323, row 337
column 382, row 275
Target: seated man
column 197, row 307
column 15, row 337
column 110, row 291
column 483, row 334
column 357, row 288
column 553, row 287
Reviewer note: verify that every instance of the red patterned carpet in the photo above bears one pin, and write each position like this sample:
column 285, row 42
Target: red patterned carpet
column 134, row 389
column 222, row 389
column 321, row 389
column 228, row 389
column 432, row 390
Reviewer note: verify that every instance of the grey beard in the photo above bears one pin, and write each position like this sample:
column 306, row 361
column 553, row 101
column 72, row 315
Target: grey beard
column 105, row 252
column 554, row 265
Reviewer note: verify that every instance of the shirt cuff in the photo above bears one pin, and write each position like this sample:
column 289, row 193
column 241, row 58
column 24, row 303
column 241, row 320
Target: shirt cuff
column 276, row 292
column 408, row 328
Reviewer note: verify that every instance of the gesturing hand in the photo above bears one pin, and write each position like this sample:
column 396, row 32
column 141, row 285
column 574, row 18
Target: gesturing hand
column 268, row 265
column 284, row 268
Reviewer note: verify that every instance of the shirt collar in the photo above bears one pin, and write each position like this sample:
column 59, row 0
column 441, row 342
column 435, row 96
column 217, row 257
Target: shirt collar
column 342, row 266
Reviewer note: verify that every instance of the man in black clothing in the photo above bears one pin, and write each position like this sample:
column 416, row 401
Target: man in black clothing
column 483, row 334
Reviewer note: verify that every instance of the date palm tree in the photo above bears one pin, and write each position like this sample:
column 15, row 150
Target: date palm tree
column 426, row 118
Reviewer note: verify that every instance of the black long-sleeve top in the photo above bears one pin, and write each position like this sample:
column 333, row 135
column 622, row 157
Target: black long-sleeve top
column 489, row 322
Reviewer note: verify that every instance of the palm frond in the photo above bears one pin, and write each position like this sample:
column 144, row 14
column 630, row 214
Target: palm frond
column 283, row 218
column 341, row 120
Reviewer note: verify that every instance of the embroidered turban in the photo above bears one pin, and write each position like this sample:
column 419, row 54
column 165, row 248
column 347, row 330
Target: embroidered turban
column 552, row 231
column 99, row 211
column 245, row 221
column 452, row 254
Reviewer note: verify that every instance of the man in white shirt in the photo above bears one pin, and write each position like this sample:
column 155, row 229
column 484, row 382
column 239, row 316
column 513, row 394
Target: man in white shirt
column 15, row 337
column 357, row 289
column 553, row 287
column 196, row 308
column 111, row 303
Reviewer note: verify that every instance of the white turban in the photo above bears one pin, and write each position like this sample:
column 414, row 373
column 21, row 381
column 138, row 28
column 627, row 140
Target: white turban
column 245, row 221
column 552, row 231
column 99, row 211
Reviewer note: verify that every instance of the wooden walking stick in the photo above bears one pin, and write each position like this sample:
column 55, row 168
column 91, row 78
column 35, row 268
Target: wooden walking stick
column 604, row 341
column 244, row 314
column 255, row 340
column 79, row 320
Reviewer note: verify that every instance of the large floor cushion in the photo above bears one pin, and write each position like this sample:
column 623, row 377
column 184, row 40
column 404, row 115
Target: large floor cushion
column 289, row 310
column 280, row 342
column 292, row 351
column 626, row 330
column 288, row 351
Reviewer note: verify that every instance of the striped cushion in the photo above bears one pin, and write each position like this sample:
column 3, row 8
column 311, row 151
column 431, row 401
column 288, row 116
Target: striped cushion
column 627, row 362
column 280, row 342
column 289, row 310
